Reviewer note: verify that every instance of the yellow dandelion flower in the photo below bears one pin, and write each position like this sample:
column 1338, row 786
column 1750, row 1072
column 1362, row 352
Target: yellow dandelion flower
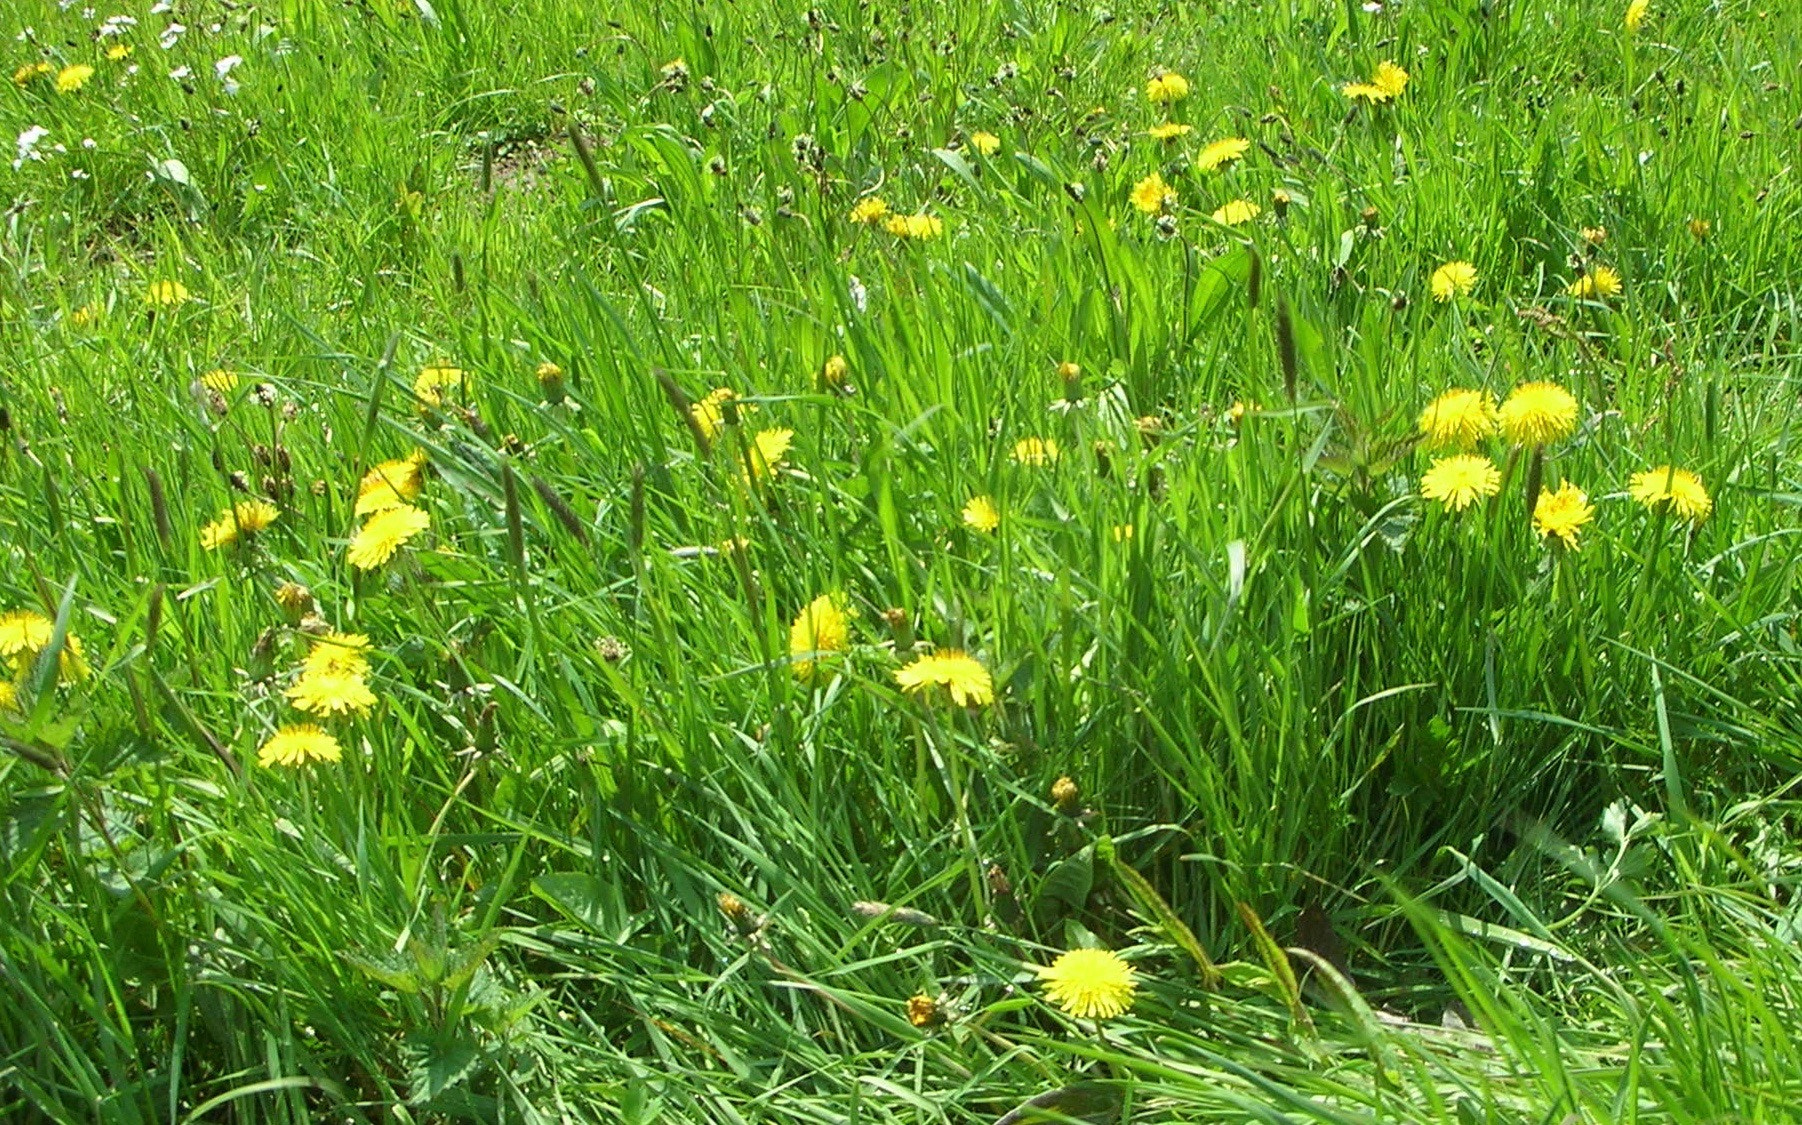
column 297, row 744
column 29, row 71
column 238, row 522
column 1699, row 229
column 986, row 144
column 1598, row 284
column 1561, row 513
column 220, row 380
column 1221, row 153
column 330, row 694
column 1681, row 489
column 391, row 484
column 1458, row 419
column 1166, row 87
column 918, row 227
column 1385, row 85
column 869, row 210
column 833, row 373
column 166, row 294
column 1152, row 195
column 1122, row 532
column 1636, row 13
column 980, row 514
column 118, row 51
column 1594, row 236
column 1237, row 212
column 385, row 533
column 1538, row 414
column 24, row 636
column 960, row 674
column 338, row 654
column 434, row 380
column 72, row 78
column 923, row 1011
column 1093, row 984
column 765, row 454
column 1460, row 480
column 709, row 413
column 1453, row 279
column 1036, row 451
column 87, row 315
column 1169, row 131
column 821, row 627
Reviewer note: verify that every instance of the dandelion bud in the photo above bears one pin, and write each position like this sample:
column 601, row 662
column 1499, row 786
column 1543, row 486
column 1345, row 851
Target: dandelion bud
column 832, row 376
column 1699, row 229
column 1371, row 219
column 737, row 913
column 550, row 381
column 905, row 915
column 924, row 1012
column 1595, row 236
column 1065, row 794
column 296, row 600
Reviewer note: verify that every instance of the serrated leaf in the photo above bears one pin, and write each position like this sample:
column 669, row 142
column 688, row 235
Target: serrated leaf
column 435, row 1066
column 390, row 969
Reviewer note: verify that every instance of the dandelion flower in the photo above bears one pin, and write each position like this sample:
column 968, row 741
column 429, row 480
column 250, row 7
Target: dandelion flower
column 833, row 374
column 1166, row 87
column 1090, row 983
column 870, row 210
column 1600, row 284
column 923, row 1011
column 24, row 635
column 1454, row 279
column 1036, row 451
column 1237, row 212
column 240, row 521
column 1152, row 195
column 385, row 533
column 765, row 454
column 87, row 315
column 220, row 380
column 820, row 627
column 1460, row 480
column 297, row 744
column 980, row 514
column 1221, row 153
column 1699, row 228
column 1636, row 14
column 1538, row 414
column 986, row 144
column 166, row 294
column 72, row 78
column 1169, row 131
column 919, row 227
column 1122, row 532
column 29, row 71
column 118, row 51
column 338, row 654
column 391, row 484
column 710, row 413
column 1385, row 85
column 1681, row 489
column 434, row 380
column 962, row 675
column 1561, row 513
column 1458, row 419
column 330, row 693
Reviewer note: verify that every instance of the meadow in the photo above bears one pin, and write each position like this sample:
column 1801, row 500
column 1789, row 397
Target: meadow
column 952, row 562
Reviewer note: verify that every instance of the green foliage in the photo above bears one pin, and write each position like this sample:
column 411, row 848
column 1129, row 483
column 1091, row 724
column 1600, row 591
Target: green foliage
column 1470, row 828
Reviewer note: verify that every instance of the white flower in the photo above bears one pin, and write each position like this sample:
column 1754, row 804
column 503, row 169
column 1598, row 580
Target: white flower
column 225, row 66
column 160, row 7
column 28, row 145
column 171, row 35
column 180, row 72
column 859, row 295
column 115, row 25
column 89, row 143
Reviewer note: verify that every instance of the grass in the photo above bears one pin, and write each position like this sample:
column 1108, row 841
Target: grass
column 1476, row 828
